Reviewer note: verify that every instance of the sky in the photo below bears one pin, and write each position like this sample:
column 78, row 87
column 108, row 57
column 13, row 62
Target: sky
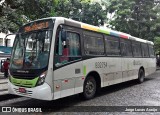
column 1, row 2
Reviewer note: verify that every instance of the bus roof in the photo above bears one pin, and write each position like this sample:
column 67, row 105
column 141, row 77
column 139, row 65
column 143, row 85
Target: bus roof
column 140, row 40
column 98, row 29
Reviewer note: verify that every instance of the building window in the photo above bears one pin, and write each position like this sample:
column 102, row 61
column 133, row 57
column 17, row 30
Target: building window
column 9, row 42
column 1, row 41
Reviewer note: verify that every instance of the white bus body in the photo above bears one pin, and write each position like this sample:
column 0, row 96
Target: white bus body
column 97, row 62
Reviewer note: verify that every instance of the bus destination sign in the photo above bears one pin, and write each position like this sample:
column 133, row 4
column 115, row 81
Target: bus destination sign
column 36, row 26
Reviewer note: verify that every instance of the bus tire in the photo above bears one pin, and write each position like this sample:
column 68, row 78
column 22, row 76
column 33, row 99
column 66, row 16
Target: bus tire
column 141, row 76
column 89, row 88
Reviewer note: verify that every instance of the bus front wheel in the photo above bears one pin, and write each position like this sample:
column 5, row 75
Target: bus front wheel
column 89, row 88
column 141, row 76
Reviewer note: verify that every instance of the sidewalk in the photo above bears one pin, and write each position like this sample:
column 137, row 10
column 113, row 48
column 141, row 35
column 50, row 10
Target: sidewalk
column 3, row 85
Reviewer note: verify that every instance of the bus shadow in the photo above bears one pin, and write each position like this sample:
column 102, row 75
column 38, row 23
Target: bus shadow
column 49, row 106
column 120, row 86
column 70, row 102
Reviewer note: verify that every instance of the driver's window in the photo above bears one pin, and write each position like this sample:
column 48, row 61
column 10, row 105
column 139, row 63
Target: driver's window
column 19, row 49
column 68, row 48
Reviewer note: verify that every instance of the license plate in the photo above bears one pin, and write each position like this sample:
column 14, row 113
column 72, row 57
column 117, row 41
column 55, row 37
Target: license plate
column 22, row 90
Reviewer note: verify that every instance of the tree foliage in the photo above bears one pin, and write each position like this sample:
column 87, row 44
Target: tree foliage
column 15, row 13
column 136, row 17
column 157, row 45
column 139, row 18
column 82, row 10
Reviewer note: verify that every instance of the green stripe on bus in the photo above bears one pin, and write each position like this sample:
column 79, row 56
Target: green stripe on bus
column 24, row 82
column 103, row 31
column 84, row 70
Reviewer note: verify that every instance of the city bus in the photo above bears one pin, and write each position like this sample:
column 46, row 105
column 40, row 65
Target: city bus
column 57, row 57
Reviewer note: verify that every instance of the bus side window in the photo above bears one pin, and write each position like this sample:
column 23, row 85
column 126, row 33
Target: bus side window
column 68, row 49
column 151, row 51
column 64, row 58
column 113, row 46
column 145, row 52
column 73, row 46
column 136, row 49
column 126, row 48
column 56, row 55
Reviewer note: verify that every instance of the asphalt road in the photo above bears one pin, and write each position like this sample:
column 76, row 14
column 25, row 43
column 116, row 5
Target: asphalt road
column 126, row 94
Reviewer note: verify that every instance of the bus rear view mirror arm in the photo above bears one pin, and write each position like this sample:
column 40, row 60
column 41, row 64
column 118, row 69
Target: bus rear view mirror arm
column 63, row 35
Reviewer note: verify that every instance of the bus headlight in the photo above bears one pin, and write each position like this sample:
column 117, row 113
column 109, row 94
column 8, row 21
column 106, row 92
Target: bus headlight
column 41, row 79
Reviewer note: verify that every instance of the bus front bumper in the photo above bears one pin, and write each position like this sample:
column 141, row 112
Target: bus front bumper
column 42, row 92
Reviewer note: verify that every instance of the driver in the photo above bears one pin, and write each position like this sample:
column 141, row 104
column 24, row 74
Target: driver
column 29, row 60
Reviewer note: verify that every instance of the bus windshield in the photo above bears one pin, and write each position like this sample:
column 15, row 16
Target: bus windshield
column 31, row 50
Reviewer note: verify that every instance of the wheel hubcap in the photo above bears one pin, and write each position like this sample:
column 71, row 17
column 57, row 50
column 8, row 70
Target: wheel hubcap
column 89, row 87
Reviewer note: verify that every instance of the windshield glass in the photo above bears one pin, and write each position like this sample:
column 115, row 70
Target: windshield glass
column 31, row 50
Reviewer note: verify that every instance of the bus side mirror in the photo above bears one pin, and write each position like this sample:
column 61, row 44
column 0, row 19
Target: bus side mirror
column 63, row 35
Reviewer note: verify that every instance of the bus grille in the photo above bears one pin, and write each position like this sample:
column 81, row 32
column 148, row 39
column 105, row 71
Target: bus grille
column 23, row 76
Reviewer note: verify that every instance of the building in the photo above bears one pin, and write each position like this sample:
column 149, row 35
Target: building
column 5, row 52
column 10, row 39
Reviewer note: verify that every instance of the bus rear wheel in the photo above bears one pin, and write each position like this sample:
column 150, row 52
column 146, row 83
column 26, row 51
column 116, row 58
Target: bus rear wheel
column 141, row 76
column 89, row 88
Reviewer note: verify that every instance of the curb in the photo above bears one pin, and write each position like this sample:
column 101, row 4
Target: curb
column 8, row 96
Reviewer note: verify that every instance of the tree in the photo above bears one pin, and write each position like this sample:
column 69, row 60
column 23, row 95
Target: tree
column 136, row 17
column 93, row 13
column 82, row 10
column 15, row 13
column 157, row 33
column 157, row 45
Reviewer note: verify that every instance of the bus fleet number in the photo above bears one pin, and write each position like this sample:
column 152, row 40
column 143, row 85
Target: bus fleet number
column 101, row 64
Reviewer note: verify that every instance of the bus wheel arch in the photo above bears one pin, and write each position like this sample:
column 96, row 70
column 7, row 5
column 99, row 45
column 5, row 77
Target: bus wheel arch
column 91, row 77
column 141, row 74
